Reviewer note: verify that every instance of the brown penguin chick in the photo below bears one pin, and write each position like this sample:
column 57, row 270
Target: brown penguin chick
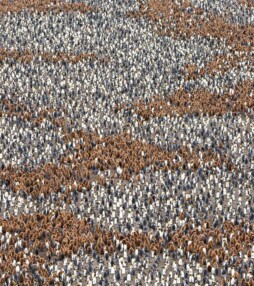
column 210, row 244
column 131, row 250
column 155, row 249
column 172, row 248
column 111, row 248
column 203, row 260
column 89, row 249
column 209, row 268
column 223, row 281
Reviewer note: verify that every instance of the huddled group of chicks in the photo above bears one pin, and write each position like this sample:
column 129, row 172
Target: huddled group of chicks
column 126, row 142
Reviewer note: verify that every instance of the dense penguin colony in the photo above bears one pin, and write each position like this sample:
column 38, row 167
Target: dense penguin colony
column 126, row 142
